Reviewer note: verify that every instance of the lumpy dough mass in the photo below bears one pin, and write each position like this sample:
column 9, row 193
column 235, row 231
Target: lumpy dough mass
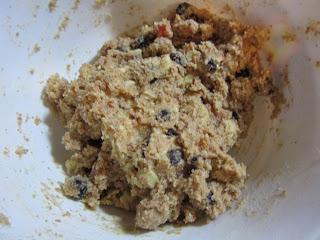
column 151, row 121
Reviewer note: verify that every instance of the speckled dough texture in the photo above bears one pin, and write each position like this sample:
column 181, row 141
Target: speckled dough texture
column 151, row 121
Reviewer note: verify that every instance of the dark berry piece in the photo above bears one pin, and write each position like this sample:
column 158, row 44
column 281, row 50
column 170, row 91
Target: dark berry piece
column 216, row 39
column 212, row 66
column 153, row 80
column 211, row 89
column 235, row 115
column 194, row 160
column 164, row 115
column 95, row 142
column 86, row 171
column 182, row 8
column 82, row 188
column 143, row 41
column 210, row 198
column 175, row 156
column 171, row 132
column 228, row 80
column 271, row 91
column 204, row 100
column 179, row 58
column 188, row 169
column 245, row 72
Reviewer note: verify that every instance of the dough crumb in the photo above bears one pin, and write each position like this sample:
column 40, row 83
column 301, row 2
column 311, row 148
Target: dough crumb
column 317, row 64
column 99, row 3
column 52, row 5
column 240, row 204
column 36, row 48
column 285, row 74
column 62, row 27
column 6, row 152
column 250, row 213
column 19, row 121
column 107, row 18
column 4, row 220
column 227, row 9
column 37, row 121
column 68, row 67
column 278, row 101
column 66, row 214
column 25, row 138
column 283, row 194
column 103, row 18
column 313, row 28
column 20, row 151
column 289, row 36
column 31, row 71
column 76, row 4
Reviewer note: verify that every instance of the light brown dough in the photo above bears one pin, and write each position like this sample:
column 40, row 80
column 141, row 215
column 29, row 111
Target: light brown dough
column 152, row 119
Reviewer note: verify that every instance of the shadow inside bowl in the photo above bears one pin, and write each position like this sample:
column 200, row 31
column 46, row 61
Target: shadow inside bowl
column 55, row 134
column 126, row 222
column 124, row 219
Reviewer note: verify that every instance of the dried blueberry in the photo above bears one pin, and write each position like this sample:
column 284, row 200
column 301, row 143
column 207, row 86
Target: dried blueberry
column 95, row 142
column 163, row 115
column 210, row 198
column 182, row 8
column 86, row 171
column 143, row 41
column 179, row 58
column 228, row 80
column 81, row 187
column 175, row 156
column 204, row 100
column 194, row 160
column 216, row 39
column 188, row 169
column 212, row 66
column 153, row 80
column 235, row 115
column 171, row 132
column 271, row 91
column 245, row 72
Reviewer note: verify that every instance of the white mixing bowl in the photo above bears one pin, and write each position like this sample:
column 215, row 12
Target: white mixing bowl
column 282, row 197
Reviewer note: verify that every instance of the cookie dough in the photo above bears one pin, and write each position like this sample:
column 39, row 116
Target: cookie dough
column 152, row 119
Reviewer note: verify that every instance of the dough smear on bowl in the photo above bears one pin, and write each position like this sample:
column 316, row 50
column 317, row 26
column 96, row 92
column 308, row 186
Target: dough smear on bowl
column 151, row 121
